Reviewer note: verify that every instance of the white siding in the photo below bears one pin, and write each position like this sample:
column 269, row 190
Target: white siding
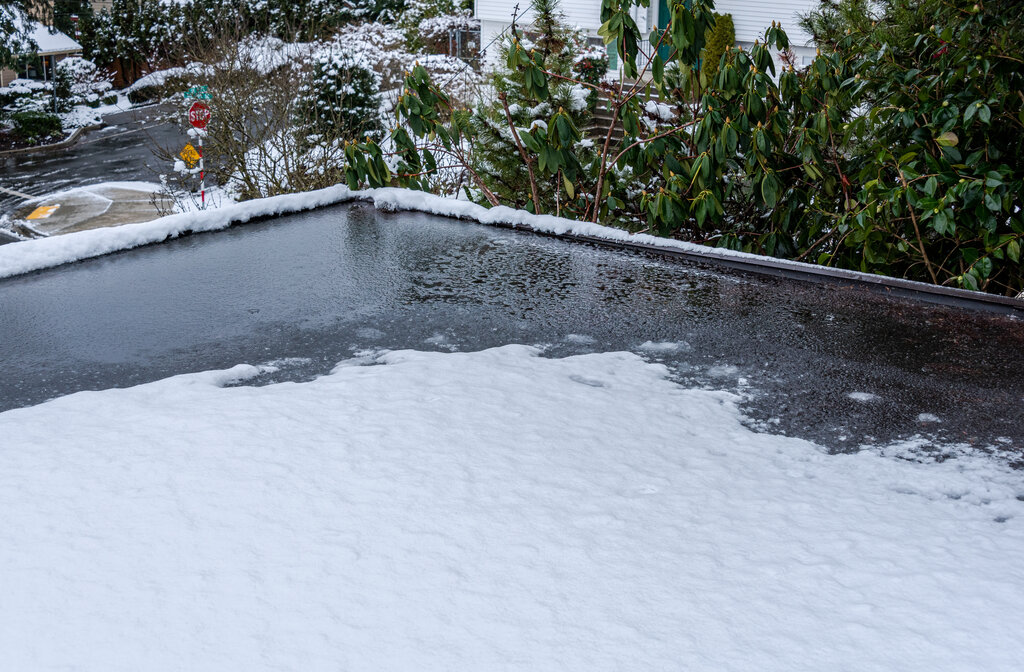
column 752, row 17
column 583, row 13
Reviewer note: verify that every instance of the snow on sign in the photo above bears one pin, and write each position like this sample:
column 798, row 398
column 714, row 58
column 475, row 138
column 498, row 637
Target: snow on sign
column 199, row 115
column 190, row 155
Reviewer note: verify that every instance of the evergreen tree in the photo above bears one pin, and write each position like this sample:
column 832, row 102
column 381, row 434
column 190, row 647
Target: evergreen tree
column 340, row 99
column 14, row 27
column 496, row 154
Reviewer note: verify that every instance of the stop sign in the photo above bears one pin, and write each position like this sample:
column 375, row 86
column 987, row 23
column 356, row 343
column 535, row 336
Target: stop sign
column 199, row 115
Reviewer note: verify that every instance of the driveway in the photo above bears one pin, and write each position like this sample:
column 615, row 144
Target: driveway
column 122, row 151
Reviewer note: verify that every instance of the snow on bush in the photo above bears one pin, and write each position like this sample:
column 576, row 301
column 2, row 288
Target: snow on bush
column 341, row 96
column 591, row 61
column 168, row 81
column 380, row 46
column 80, row 82
column 26, row 95
column 266, row 53
column 156, row 78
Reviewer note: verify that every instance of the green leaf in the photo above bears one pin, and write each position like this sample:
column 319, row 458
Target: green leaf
column 984, row 267
column 970, row 111
column 770, row 190
column 942, row 223
column 657, row 69
column 985, row 114
column 1013, row 251
column 947, row 139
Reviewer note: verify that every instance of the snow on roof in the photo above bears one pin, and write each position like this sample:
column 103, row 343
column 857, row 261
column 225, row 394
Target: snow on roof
column 51, row 43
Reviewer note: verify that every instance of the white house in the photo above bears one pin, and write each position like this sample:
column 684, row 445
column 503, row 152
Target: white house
column 751, row 18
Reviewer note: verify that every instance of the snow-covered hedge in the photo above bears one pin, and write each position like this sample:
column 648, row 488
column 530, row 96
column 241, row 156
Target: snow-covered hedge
column 380, row 46
column 80, row 82
column 341, row 96
column 26, row 95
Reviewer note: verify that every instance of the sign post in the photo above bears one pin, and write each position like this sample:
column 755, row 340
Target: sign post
column 199, row 117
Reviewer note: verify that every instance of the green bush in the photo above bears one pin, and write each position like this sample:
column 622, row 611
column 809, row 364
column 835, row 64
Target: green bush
column 720, row 40
column 35, row 126
column 7, row 97
column 936, row 165
column 899, row 150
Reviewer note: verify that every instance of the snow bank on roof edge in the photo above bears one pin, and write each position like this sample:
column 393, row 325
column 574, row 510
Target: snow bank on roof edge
column 34, row 255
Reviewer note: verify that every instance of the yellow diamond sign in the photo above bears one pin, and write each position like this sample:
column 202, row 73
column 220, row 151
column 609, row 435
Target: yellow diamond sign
column 190, row 154
column 43, row 211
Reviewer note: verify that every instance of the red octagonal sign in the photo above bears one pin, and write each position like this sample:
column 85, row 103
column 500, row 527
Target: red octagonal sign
column 199, row 115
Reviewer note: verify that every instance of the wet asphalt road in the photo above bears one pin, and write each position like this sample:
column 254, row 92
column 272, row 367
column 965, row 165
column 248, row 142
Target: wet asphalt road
column 122, row 151
column 321, row 286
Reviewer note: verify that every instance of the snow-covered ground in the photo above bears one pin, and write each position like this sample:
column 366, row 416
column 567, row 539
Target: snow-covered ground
column 494, row 510
column 83, row 115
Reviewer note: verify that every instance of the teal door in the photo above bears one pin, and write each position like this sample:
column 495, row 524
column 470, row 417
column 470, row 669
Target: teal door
column 664, row 14
column 663, row 17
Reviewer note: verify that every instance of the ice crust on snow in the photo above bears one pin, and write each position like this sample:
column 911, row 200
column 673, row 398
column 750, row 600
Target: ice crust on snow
column 493, row 510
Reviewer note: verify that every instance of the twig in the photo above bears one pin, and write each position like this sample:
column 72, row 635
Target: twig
column 522, row 152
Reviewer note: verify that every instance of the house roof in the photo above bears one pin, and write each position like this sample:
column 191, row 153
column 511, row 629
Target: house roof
column 48, row 42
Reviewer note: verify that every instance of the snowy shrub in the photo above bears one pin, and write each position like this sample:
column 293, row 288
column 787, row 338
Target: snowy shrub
column 381, row 47
column 418, row 11
column 591, row 62
column 26, row 95
column 340, row 96
column 80, row 82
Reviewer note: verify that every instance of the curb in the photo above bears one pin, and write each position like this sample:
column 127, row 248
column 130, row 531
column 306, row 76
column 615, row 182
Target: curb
column 63, row 144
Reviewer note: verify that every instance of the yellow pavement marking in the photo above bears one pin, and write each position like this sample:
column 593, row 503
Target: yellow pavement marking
column 43, row 211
